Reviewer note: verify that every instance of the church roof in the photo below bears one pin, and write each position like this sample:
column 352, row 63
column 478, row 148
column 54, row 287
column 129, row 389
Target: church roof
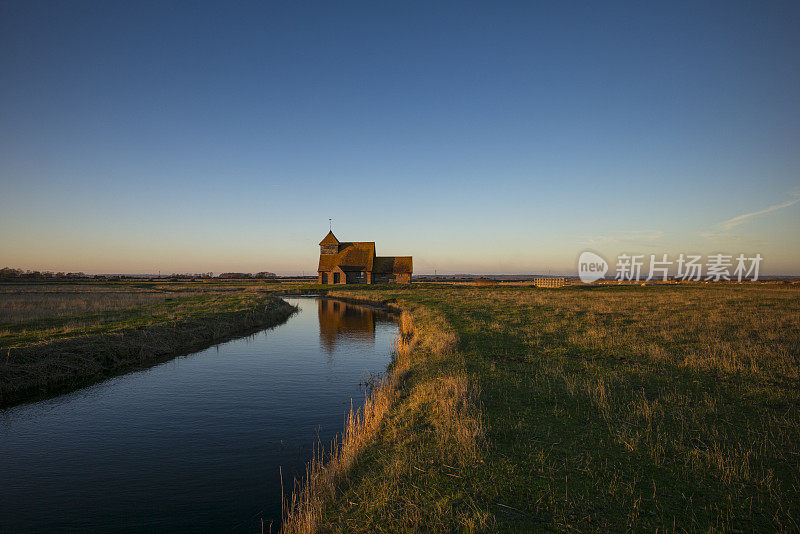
column 393, row 264
column 356, row 256
column 329, row 239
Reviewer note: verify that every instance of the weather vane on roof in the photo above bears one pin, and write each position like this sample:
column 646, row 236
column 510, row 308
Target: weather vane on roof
column 330, row 225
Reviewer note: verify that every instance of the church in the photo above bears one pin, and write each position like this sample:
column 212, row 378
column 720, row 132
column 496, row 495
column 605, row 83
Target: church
column 346, row 262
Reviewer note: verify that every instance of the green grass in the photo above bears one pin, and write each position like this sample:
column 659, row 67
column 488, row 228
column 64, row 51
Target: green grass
column 602, row 409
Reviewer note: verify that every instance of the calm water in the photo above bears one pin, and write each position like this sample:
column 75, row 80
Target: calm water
column 193, row 444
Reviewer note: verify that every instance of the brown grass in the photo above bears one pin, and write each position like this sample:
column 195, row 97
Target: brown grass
column 670, row 408
column 450, row 400
column 18, row 307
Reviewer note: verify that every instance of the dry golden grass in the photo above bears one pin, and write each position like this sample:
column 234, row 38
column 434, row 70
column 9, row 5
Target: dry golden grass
column 671, row 408
column 451, row 406
column 19, row 307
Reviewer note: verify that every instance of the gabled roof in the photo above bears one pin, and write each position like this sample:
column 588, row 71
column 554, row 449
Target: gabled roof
column 329, row 239
column 355, row 256
column 393, row 264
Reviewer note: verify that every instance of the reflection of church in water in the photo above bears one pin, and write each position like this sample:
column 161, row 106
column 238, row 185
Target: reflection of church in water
column 337, row 320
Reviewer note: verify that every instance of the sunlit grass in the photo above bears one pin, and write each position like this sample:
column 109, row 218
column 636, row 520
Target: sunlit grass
column 21, row 307
column 603, row 409
column 36, row 314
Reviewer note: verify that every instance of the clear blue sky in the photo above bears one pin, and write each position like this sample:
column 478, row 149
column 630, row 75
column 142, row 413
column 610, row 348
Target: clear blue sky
column 479, row 137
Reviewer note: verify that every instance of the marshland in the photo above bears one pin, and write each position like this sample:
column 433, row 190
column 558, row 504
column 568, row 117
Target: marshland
column 601, row 408
column 510, row 408
column 559, row 290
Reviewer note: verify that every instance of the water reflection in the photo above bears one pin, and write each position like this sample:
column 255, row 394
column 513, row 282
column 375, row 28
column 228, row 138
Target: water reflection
column 340, row 322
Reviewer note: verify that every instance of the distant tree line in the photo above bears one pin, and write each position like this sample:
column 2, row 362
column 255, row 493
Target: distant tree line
column 187, row 276
column 259, row 276
column 8, row 273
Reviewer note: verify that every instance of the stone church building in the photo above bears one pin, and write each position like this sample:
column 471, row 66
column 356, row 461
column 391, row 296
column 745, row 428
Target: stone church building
column 356, row 263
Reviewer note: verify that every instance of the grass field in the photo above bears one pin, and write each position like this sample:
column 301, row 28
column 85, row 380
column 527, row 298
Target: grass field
column 577, row 409
column 57, row 337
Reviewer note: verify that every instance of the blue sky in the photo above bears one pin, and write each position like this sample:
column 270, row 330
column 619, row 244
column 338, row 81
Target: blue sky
column 479, row 137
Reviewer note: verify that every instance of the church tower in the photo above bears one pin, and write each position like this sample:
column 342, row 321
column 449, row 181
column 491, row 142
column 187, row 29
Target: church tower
column 329, row 245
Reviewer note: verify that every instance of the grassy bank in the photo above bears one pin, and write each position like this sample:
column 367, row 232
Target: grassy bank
column 589, row 409
column 54, row 338
column 425, row 388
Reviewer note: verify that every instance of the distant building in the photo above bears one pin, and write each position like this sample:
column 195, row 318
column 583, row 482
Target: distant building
column 549, row 281
column 356, row 263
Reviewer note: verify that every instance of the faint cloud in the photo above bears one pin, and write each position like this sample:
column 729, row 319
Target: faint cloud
column 720, row 230
column 736, row 221
column 631, row 237
column 713, row 234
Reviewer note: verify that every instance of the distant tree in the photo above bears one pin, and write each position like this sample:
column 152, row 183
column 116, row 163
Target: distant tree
column 265, row 274
column 7, row 273
column 235, row 275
